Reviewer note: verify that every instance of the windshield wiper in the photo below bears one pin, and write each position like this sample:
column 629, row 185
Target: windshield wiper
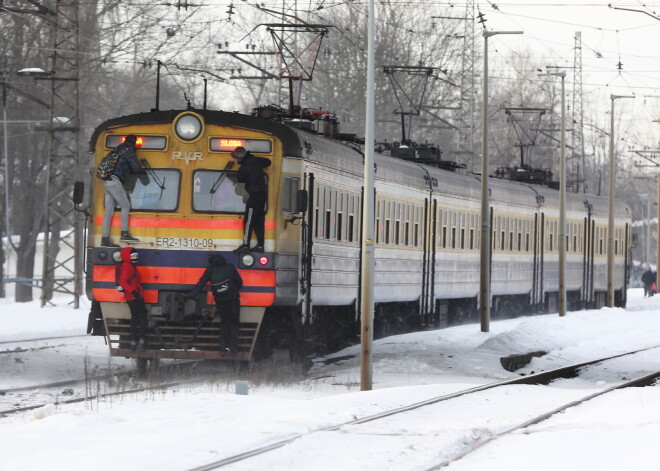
column 150, row 171
column 217, row 181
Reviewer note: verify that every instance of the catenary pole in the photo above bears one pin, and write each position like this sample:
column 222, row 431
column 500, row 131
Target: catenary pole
column 562, row 195
column 367, row 275
column 484, row 249
column 610, row 211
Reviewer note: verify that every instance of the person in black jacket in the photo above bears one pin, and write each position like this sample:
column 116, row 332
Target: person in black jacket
column 115, row 194
column 648, row 278
column 251, row 172
column 225, row 285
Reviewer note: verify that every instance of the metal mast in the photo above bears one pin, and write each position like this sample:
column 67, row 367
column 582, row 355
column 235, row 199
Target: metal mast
column 577, row 140
column 62, row 261
column 467, row 105
column 289, row 37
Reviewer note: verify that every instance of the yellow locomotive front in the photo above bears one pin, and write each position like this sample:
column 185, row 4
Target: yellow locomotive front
column 186, row 203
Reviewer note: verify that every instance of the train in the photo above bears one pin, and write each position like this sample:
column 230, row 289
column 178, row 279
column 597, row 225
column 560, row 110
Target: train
column 303, row 292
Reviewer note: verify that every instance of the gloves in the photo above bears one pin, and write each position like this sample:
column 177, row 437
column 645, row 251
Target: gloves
column 136, row 294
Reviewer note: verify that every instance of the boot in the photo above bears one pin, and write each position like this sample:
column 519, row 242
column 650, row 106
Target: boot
column 127, row 237
column 242, row 248
column 106, row 242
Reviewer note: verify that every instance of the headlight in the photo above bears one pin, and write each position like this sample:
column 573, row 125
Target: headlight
column 116, row 255
column 188, row 127
column 247, row 260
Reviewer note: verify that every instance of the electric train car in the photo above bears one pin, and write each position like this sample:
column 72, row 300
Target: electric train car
column 303, row 292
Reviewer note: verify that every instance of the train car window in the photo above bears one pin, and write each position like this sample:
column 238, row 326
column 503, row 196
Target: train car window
column 157, row 190
column 290, row 187
column 227, row 144
column 328, row 218
column 350, row 227
column 142, row 142
column 317, row 223
column 377, row 231
column 387, row 231
column 215, row 191
column 527, row 242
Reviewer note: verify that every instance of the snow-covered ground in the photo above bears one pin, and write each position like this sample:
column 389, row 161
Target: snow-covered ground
column 192, row 425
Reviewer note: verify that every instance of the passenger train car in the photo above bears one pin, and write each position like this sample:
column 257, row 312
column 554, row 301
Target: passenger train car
column 303, row 292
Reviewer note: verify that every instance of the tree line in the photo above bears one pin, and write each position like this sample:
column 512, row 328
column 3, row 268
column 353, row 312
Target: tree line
column 120, row 46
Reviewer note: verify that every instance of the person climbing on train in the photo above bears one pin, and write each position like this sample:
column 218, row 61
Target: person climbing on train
column 114, row 191
column 226, row 283
column 251, row 172
column 649, row 280
column 129, row 282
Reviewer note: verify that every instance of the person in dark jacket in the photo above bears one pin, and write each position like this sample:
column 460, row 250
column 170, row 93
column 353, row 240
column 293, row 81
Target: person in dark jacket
column 115, row 194
column 649, row 278
column 251, row 172
column 225, row 285
column 129, row 281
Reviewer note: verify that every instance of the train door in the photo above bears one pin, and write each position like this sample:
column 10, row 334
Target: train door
column 307, row 241
column 537, row 269
column 588, row 260
column 427, row 301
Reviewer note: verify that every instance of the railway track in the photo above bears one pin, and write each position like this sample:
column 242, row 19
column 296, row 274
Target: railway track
column 464, row 446
column 87, row 389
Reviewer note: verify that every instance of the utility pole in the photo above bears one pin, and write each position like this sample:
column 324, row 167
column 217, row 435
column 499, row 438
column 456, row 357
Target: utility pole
column 368, row 241
column 562, row 196
column 610, row 212
column 485, row 248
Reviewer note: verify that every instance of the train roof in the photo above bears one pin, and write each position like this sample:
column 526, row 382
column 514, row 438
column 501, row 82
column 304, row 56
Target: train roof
column 226, row 118
column 340, row 156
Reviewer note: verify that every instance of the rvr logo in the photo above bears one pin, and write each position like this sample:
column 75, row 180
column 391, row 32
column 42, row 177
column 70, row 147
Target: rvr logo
column 187, row 156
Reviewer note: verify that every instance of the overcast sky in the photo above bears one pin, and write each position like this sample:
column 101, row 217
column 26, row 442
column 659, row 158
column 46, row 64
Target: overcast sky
column 609, row 37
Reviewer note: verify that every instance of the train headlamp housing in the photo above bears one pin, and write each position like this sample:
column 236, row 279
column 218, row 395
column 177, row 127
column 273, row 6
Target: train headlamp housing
column 188, row 127
column 116, row 256
column 247, row 259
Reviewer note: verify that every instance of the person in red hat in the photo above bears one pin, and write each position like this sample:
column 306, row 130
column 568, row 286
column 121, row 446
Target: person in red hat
column 128, row 279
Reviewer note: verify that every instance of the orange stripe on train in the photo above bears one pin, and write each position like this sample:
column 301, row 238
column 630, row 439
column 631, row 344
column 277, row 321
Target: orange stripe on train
column 183, row 223
column 183, row 276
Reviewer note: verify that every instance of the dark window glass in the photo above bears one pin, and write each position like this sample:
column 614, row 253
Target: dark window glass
column 216, row 191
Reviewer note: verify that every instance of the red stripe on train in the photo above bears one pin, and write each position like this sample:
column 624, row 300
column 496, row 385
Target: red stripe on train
column 182, row 276
column 151, row 297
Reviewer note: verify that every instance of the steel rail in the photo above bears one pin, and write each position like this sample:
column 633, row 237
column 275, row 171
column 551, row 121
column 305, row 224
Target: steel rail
column 543, row 377
column 646, row 380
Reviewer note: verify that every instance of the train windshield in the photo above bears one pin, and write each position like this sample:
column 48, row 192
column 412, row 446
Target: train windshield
column 216, row 191
column 157, row 190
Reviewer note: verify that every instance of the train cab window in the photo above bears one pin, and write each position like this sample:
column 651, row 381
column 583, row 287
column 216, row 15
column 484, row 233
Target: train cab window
column 216, row 191
column 157, row 190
